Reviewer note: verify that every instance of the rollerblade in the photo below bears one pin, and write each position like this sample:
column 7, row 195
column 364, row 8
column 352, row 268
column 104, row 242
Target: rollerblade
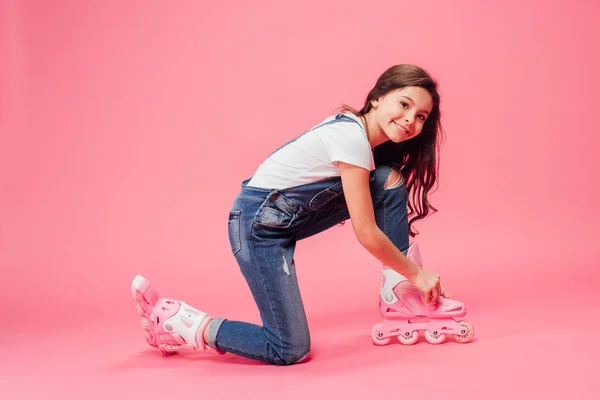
column 405, row 312
column 170, row 324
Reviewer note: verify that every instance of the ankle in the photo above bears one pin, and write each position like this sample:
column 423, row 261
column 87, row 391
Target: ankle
column 205, row 333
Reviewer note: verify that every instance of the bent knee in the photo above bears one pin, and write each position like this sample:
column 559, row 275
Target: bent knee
column 291, row 354
column 394, row 179
column 294, row 357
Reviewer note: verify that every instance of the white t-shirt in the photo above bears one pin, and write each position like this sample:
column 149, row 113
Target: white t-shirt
column 314, row 156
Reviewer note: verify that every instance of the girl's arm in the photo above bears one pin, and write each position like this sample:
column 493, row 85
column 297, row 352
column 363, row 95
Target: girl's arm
column 355, row 181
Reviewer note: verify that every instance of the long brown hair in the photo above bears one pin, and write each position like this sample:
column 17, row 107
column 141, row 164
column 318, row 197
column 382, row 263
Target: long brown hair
column 417, row 158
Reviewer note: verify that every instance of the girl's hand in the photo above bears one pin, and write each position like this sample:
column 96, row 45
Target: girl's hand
column 445, row 294
column 429, row 283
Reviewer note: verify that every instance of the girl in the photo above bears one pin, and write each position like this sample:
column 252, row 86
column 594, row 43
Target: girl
column 357, row 165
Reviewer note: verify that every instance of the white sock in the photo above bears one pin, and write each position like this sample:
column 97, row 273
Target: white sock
column 400, row 276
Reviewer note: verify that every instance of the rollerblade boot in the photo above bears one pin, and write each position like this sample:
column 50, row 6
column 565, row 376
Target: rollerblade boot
column 405, row 312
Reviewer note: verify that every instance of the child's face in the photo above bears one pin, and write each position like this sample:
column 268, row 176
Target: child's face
column 401, row 114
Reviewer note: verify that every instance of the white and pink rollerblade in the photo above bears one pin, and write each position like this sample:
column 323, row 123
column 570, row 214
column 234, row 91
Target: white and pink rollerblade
column 405, row 312
column 170, row 324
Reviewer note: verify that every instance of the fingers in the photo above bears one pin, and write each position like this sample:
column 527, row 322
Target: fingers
column 436, row 290
column 432, row 287
column 445, row 293
column 432, row 295
column 435, row 293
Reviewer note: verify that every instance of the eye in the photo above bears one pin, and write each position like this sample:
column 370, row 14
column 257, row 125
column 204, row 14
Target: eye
column 423, row 118
column 404, row 104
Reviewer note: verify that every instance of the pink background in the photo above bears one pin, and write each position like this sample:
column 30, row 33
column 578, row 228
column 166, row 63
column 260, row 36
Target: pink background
column 126, row 128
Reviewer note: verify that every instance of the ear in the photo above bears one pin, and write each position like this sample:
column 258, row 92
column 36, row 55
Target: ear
column 375, row 103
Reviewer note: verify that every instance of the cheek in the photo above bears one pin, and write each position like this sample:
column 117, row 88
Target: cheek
column 398, row 112
column 391, row 110
column 385, row 117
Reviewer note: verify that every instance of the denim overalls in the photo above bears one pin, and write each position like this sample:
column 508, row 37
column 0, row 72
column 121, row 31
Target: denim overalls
column 264, row 226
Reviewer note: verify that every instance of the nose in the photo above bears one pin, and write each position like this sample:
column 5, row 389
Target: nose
column 409, row 117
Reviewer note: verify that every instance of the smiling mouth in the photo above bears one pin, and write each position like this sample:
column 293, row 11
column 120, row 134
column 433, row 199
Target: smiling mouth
column 403, row 129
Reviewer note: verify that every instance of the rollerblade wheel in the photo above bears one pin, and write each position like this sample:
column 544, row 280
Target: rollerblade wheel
column 168, row 350
column 378, row 336
column 467, row 333
column 434, row 337
column 409, row 338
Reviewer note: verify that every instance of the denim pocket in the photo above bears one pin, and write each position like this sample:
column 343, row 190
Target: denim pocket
column 269, row 216
column 234, row 231
column 277, row 212
column 325, row 196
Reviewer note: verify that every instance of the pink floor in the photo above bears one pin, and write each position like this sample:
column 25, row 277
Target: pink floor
column 126, row 127
column 545, row 347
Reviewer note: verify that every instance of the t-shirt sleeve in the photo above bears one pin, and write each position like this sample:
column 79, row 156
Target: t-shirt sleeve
column 347, row 142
